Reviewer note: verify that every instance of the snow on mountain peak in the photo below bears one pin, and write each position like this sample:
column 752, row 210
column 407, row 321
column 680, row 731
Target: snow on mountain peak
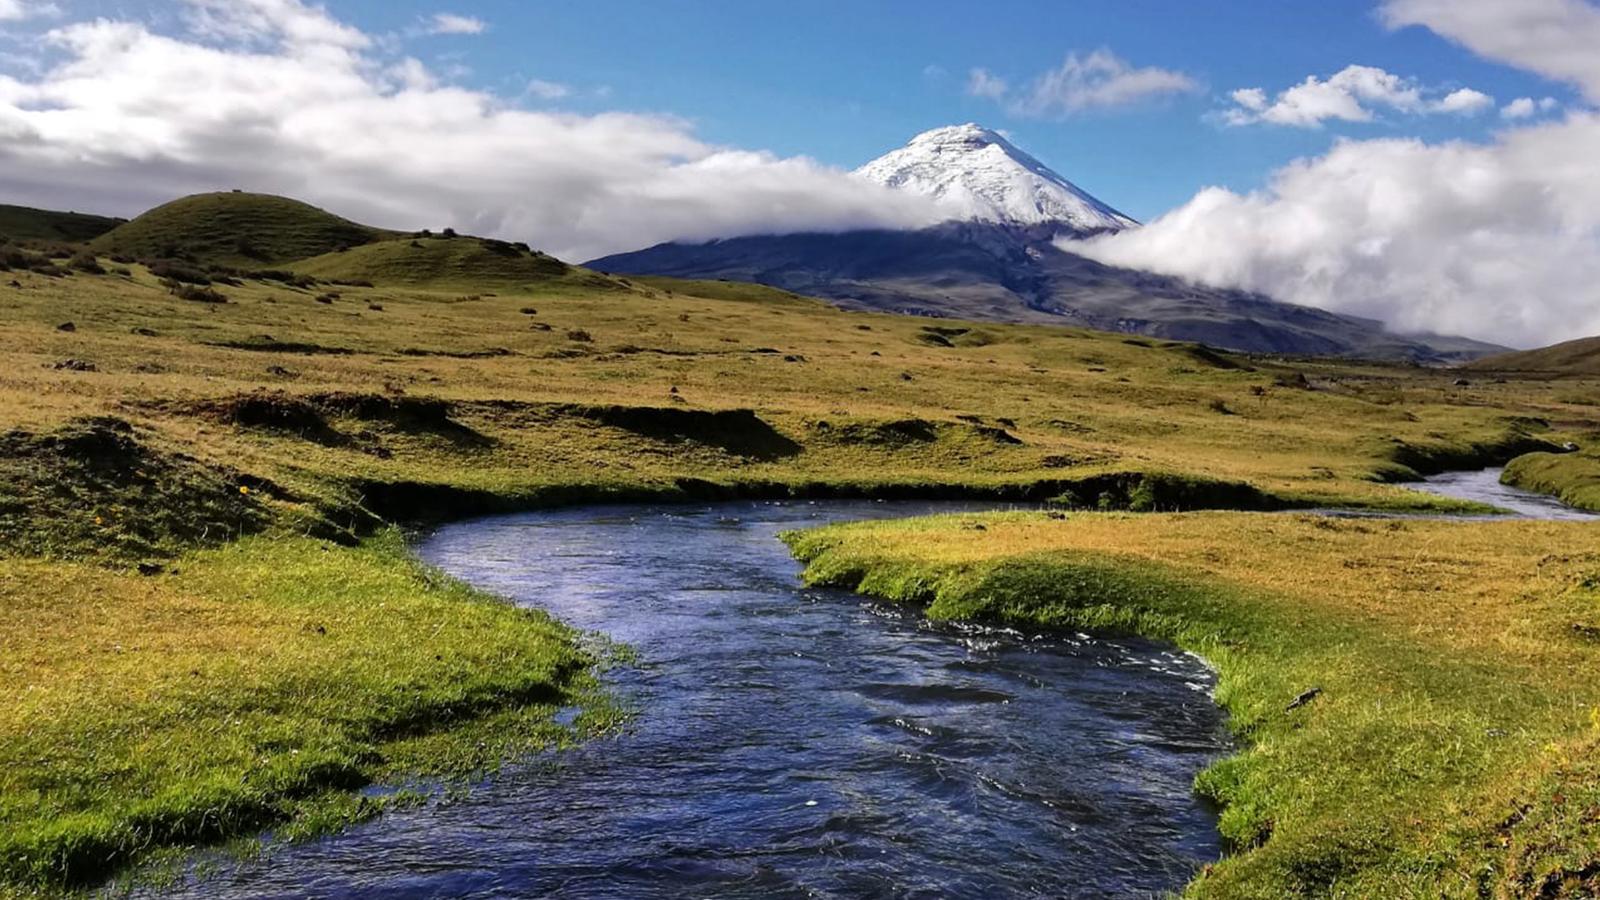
column 978, row 174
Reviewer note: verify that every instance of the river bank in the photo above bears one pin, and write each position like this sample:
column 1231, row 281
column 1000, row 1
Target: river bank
column 791, row 742
column 144, row 438
column 1414, row 696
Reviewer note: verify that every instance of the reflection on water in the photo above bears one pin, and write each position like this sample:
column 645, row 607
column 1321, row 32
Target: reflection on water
column 794, row 742
column 1484, row 486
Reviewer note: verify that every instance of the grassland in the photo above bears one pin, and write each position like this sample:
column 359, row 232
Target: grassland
column 195, row 478
column 28, row 224
column 1416, row 699
column 234, row 229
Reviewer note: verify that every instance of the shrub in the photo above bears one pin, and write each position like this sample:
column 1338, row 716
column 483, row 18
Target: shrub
column 581, row 336
column 171, row 270
column 196, row 293
column 86, row 262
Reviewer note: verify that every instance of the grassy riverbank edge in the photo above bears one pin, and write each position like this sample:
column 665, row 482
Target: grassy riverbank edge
column 271, row 683
column 52, row 849
column 1375, row 760
column 1572, row 478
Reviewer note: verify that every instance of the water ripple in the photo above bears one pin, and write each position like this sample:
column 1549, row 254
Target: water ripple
column 793, row 742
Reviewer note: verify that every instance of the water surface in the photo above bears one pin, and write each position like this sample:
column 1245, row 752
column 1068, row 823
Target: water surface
column 794, row 742
column 1483, row 486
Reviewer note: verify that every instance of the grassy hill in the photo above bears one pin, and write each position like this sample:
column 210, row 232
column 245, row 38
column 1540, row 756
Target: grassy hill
column 1576, row 357
column 239, row 230
column 208, row 625
column 25, row 224
column 440, row 262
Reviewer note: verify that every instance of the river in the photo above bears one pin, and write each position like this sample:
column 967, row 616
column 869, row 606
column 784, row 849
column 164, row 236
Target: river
column 793, row 742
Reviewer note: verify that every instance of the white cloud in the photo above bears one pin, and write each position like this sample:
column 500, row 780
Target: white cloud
column 1555, row 38
column 1527, row 108
column 262, row 21
column 17, row 10
column 1252, row 99
column 983, row 83
column 1100, row 80
column 1499, row 241
column 277, row 95
column 1466, row 102
column 1349, row 95
column 1520, row 108
column 451, row 23
column 548, row 90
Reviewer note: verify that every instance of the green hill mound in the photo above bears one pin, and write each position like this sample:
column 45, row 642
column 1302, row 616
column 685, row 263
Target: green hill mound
column 1577, row 357
column 246, row 231
column 25, row 224
column 445, row 262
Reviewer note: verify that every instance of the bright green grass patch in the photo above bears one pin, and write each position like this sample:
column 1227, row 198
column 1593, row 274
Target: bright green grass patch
column 243, row 688
column 1445, row 742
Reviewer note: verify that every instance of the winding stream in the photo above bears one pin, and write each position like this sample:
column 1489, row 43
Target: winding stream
column 1484, row 486
column 794, row 742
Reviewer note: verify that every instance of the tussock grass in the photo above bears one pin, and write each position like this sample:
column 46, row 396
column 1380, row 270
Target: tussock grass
column 1446, row 735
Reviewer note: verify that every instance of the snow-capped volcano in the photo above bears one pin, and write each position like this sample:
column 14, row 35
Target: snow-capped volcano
column 980, row 175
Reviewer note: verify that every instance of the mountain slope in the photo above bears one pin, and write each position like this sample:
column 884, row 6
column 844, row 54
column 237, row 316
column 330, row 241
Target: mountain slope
column 27, row 224
column 1576, row 357
column 437, row 262
column 1008, row 274
column 983, row 177
column 236, row 229
column 997, row 259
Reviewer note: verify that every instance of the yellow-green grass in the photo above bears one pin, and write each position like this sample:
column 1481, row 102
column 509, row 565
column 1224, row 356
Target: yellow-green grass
column 1567, row 359
column 469, row 263
column 238, row 688
column 1076, row 403
column 127, row 440
column 1452, row 747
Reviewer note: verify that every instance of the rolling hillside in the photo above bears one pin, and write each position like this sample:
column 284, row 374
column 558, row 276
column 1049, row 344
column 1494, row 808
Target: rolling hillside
column 1576, row 357
column 241, row 230
column 27, row 224
column 438, row 262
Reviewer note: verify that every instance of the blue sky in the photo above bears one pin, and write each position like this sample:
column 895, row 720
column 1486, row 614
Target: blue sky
column 845, row 81
column 603, row 126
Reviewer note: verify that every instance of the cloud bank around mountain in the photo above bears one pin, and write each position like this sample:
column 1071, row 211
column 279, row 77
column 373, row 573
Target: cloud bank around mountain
column 280, row 96
column 1497, row 240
